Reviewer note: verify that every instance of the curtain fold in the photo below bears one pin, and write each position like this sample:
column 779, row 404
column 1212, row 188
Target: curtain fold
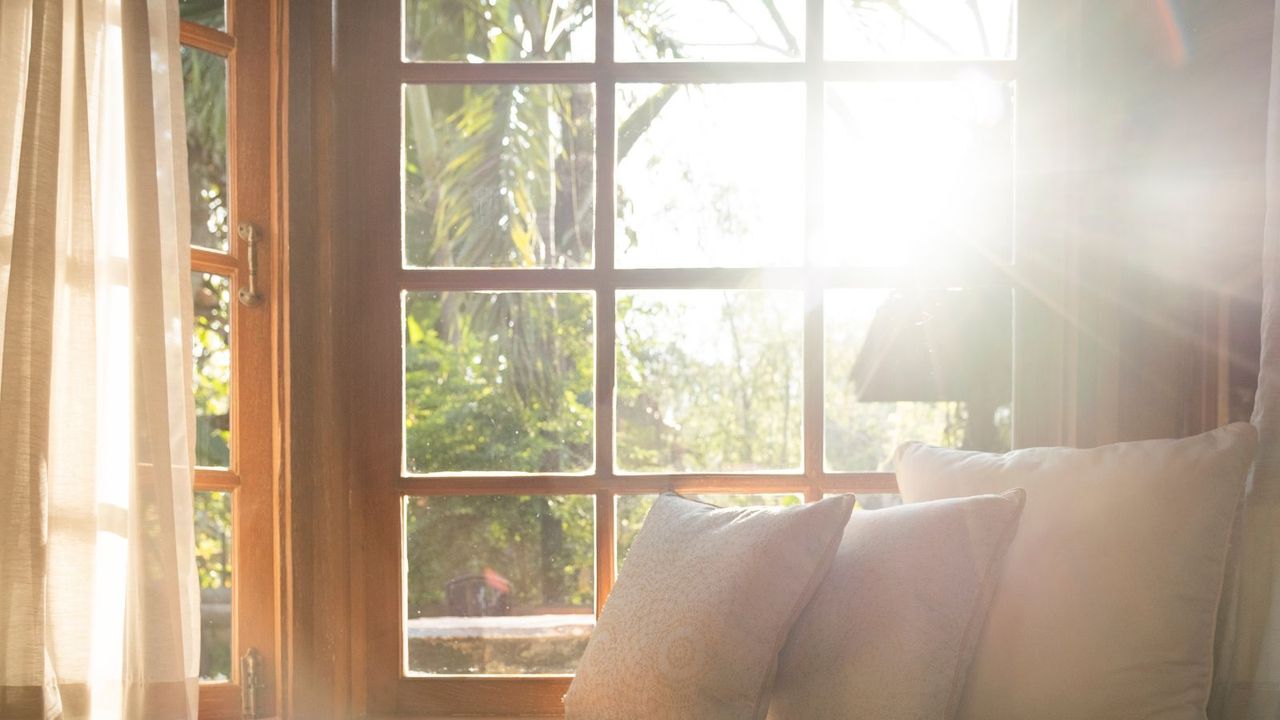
column 1247, row 671
column 99, row 617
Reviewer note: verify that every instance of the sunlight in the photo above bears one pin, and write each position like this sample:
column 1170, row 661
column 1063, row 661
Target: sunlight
column 920, row 29
column 917, row 172
column 912, row 172
column 700, row 188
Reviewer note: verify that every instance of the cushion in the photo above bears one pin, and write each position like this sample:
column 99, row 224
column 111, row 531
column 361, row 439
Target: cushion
column 1106, row 607
column 701, row 608
column 892, row 629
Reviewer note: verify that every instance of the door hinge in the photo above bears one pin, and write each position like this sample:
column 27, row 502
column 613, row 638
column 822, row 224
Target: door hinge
column 253, row 684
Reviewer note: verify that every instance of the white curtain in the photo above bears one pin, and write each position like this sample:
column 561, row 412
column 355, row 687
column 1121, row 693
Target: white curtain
column 1247, row 682
column 99, row 604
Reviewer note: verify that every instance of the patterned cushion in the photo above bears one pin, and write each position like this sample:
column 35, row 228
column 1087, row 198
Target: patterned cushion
column 701, row 608
column 891, row 631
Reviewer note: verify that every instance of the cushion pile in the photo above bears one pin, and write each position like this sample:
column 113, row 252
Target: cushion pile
column 1045, row 584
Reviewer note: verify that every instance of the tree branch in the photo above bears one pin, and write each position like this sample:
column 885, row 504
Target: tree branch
column 641, row 118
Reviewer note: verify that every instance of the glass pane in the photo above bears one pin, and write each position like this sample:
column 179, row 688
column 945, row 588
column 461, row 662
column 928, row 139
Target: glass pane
column 920, row 29
column 500, row 382
column 499, row 175
column 689, row 191
column 213, row 564
column 499, row 584
column 709, row 380
column 710, row 30
column 750, row 499
column 204, row 77
column 206, row 12
column 499, row 30
column 877, row 501
column 211, row 352
column 918, row 173
column 630, row 511
column 932, row 365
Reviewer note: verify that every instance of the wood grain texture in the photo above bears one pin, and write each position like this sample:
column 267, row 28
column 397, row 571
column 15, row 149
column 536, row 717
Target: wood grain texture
column 369, row 48
column 870, row 482
column 206, row 38
column 220, row 701
column 320, row 525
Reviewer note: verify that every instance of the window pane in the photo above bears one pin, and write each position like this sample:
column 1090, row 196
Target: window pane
column 499, row 584
column 932, row 365
column 206, row 12
column 699, row 185
column 877, row 501
column 489, row 31
column 710, row 30
column 630, row 511
column 920, row 29
column 213, row 564
column 918, row 173
column 211, row 352
column 499, row 382
column 204, row 77
column 872, row 501
column 499, row 175
column 709, row 380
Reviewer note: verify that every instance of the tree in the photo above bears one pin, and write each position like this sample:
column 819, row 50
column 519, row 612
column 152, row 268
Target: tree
column 503, row 176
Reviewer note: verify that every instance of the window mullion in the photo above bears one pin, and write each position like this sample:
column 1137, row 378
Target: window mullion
column 812, row 377
column 697, row 71
column 606, row 297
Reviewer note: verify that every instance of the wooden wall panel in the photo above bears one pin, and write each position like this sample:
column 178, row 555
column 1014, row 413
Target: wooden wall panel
column 319, row 616
column 1171, row 216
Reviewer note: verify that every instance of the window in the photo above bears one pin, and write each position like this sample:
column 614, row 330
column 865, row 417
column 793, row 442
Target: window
column 225, row 56
column 737, row 249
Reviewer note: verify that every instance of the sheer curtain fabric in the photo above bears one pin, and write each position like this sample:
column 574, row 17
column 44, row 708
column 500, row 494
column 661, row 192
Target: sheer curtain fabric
column 99, row 604
column 1247, row 673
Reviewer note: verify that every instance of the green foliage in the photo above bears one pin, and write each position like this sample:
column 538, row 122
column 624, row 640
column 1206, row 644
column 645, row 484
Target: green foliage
column 868, row 432
column 708, row 392
column 497, row 30
column 632, row 509
column 205, row 100
column 205, row 12
column 213, row 566
column 503, row 176
column 499, row 381
column 499, row 175
column 213, row 538
column 543, row 545
column 211, row 355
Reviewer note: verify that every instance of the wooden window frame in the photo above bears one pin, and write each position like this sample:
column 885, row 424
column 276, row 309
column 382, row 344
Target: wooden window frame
column 370, row 76
column 249, row 46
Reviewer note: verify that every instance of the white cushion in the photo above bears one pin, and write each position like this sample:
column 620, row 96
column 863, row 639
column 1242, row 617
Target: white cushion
column 701, row 608
column 891, row 631
column 1106, row 608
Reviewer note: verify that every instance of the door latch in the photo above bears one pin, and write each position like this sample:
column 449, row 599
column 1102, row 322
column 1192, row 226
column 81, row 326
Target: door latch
column 250, row 295
column 253, row 684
